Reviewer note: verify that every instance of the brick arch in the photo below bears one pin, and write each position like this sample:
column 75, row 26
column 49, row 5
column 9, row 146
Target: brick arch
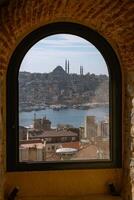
column 20, row 17
column 114, row 20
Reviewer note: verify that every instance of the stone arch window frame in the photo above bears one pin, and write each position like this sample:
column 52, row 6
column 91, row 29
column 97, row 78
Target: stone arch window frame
column 115, row 99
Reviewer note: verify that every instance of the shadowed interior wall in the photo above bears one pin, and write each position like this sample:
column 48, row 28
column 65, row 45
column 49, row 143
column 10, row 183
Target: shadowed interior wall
column 114, row 20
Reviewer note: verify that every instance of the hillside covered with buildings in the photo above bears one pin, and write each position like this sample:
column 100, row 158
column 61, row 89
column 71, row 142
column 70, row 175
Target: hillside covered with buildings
column 60, row 87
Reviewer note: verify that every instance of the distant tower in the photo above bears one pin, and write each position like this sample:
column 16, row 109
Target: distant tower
column 81, row 70
column 34, row 119
column 34, row 116
column 90, row 127
column 66, row 66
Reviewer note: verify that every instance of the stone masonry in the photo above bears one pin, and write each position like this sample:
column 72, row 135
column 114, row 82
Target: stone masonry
column 114, row 20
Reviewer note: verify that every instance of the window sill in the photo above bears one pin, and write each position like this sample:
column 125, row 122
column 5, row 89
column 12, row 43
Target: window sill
column 87, row 197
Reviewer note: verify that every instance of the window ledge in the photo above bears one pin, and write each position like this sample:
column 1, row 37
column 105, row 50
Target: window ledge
column 87, row 197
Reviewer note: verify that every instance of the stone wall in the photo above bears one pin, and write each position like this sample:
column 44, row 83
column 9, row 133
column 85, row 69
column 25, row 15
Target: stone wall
column 114, row 20
column 2, row 131
column 130, row 127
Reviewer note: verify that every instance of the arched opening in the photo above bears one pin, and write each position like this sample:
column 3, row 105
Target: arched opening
column 114, row 104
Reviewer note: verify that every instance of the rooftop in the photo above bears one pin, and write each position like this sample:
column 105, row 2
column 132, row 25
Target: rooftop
column 55, row 133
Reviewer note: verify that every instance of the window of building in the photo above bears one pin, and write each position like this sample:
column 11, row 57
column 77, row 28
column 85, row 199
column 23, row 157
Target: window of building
column 63, row 87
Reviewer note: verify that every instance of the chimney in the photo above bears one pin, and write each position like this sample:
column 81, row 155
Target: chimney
column 27, row 135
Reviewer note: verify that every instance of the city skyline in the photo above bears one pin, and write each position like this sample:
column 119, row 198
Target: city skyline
column 63, row 47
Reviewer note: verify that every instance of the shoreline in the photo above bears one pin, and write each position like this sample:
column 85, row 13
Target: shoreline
column 63, row 107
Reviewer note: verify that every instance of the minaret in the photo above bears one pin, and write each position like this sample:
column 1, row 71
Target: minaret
column 81, row 70
column 68, row 66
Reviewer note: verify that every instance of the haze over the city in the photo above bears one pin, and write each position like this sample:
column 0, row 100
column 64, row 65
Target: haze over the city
column 52, row 51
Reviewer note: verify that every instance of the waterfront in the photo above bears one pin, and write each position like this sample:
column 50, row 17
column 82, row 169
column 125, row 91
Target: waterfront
column 75, row 117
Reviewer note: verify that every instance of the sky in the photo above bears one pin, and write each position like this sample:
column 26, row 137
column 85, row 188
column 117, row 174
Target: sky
column 53, row 50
